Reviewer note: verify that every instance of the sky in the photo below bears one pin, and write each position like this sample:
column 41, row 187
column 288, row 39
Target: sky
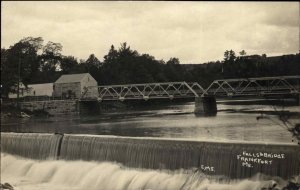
column 194, row 32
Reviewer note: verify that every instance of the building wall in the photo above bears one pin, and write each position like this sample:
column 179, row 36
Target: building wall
column 45, row 89
column 89, row 81
column 66, row 89
column 22, row 91
column 76, row 89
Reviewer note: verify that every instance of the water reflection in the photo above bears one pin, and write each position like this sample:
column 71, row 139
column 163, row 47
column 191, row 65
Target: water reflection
column 233, row 122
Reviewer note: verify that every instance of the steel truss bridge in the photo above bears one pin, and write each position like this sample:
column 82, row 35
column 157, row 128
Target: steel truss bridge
column 261, row 86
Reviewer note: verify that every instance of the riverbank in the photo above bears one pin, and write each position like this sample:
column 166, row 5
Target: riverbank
column 10, row 111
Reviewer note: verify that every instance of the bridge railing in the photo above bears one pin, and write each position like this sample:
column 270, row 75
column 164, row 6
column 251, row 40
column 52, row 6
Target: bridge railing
column 255, row 86
column 224, row 87
column 145, row 91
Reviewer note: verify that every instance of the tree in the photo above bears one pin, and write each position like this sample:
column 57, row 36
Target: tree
column 67, row 64
column 125, row 50
column 243, row 53
column 229, row 64
column 128, row 66
column 19, row 63
column 93, row 66
column 226, row 55
column 110, row 67
column 93, row 61
column 50, row 61
column 173, row 61
column 112, row 55
column 52, row 48
column 51, row 57
column 6, row 74
column 232, row 56
column 173, row 70
column 229, row 55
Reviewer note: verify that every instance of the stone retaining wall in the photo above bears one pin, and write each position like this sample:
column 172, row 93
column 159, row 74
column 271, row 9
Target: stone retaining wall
column 53, row 107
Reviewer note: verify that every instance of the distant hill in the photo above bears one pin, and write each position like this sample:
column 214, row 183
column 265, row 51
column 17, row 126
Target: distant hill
column 244, row 67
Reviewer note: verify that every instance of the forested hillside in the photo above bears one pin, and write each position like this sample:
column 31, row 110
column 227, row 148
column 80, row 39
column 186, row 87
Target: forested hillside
column 33, row 62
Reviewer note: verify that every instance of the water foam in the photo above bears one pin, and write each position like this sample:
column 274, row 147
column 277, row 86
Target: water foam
column 77, row 175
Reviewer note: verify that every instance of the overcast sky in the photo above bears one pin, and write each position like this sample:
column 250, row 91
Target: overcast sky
column 195, row 32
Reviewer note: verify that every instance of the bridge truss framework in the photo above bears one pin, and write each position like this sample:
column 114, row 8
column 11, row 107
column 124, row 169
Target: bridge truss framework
column 261, row 86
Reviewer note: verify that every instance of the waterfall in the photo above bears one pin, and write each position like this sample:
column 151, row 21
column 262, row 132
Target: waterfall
column 31, row 145
column 235, row 160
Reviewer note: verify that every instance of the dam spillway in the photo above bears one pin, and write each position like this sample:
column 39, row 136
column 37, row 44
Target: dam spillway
column 235, row 160
column 31, row 145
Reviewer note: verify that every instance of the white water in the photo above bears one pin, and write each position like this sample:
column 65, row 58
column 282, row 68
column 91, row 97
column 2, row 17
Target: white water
column 29, row 174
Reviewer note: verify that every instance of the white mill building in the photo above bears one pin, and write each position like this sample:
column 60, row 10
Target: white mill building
column 73, row 85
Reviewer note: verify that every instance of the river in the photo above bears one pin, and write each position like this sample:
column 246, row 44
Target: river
column 238, row 121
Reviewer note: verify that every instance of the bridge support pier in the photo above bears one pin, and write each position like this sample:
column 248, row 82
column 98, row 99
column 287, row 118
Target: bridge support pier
column 298, row 99
column 206, row 106
column 88, row 107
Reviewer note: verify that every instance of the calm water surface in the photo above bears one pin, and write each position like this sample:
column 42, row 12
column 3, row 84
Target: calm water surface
column 233, row 122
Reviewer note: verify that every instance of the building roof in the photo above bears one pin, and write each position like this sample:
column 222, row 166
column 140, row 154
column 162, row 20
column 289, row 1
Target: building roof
column 71, row 78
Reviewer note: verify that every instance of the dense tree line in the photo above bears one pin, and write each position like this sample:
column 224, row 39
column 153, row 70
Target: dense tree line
column 32, row 62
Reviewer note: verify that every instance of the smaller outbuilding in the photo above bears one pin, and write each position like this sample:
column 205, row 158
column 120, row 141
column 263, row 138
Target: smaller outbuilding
column 74, row 85
column 45, row 89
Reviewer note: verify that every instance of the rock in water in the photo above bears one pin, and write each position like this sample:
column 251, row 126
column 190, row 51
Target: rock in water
column 24, row 115
column 6, row 186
